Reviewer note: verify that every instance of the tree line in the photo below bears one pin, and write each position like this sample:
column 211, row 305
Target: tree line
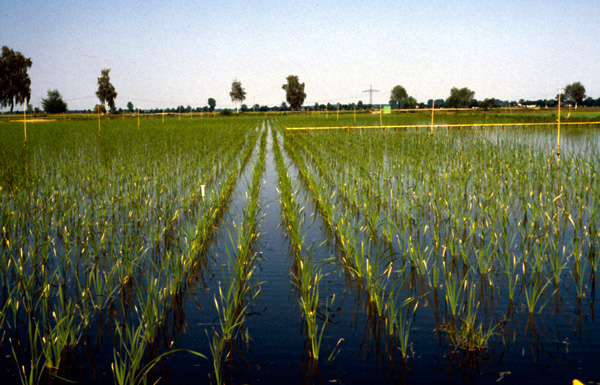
column 15, row 88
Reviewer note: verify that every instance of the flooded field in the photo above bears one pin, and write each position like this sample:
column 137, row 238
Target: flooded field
column 232, row 251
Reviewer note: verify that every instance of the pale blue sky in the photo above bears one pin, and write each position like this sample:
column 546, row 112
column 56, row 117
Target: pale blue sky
column 165, row 54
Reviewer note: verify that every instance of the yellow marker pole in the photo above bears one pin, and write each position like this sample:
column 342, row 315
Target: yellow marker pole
column 354, row 105
column 380, row 115
column 25, row 120
column 432, row 108
column 138, row 118
column 337, row 112
column 558, row 126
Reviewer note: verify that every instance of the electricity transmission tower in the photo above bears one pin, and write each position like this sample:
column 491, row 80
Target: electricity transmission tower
column 371, row 91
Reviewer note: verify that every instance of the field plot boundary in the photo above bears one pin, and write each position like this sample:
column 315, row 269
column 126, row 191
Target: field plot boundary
column 449, row 126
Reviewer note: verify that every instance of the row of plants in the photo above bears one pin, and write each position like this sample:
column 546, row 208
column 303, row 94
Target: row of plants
column 306, row 271
column 239, row 289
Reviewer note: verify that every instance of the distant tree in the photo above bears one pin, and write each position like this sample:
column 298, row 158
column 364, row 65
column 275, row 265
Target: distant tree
column 237, row 93
column 225, row 112
column 15, row 84
column 54, row 103
column 589, row 102
column 488, row 104
column 460, row 98
column 360, row 105
column 212, row 103
column 244, row 108
column 575, row 92
column 106, row 91
column 294, row 92
column 398, row 96
column 283, row 107
column 130, row 106
column 99, row 107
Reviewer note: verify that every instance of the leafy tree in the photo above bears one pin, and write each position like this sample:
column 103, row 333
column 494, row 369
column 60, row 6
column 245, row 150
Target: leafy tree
column 283, row 107
column 244, row 108
column 575, row 92
column 398, row 96
column 106, row 91
column 15, row 84
column 54, row 103
column 488, row 104
column 460, row 98
column 294, row 92
column 360, row 105
column 237, row 93
column 212, row 103
column 130, row 106
column 99, row 108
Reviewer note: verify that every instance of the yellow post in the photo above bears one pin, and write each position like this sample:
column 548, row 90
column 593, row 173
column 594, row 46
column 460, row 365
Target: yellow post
column 432, row 108
column 380, row 115
column 25, row 120
column 354, row 105
column 138, row 118
column 558, row 126
column 337, row 112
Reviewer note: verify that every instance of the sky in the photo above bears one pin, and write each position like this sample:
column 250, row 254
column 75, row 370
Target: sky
column 165, row 54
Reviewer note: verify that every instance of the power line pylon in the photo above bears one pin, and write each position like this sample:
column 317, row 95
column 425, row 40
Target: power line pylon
column 371, row 91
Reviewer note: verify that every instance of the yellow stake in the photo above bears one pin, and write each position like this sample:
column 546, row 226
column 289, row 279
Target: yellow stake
column 138, row 118
column 337, row 113
column 432, row 108
column 354, row 105
column 25, row 120
column 558, row 126
column 380, row 115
